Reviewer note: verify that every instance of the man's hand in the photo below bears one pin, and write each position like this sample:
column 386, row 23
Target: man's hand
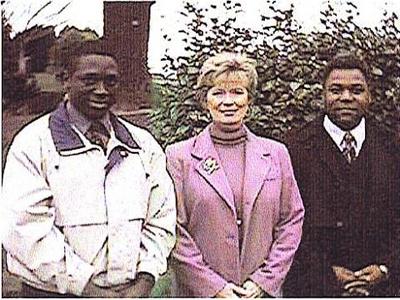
column 231, row 290
column 139, row 288
column 366, row 278
column 253, row 290
column 343, row 275
column 93, row 291
column 356, row 292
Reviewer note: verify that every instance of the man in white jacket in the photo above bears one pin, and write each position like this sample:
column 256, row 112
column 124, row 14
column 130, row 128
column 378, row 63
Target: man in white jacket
column 88, row 206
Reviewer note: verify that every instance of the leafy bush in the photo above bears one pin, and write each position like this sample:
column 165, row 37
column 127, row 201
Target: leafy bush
column 290, row 63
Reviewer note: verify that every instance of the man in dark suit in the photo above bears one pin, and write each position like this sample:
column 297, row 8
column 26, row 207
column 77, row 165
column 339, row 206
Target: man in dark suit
column 347, row 169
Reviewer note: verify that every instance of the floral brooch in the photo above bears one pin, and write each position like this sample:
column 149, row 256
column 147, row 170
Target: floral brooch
column 210, row 165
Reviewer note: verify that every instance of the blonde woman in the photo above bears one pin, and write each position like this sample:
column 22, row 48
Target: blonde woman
column 239, row 209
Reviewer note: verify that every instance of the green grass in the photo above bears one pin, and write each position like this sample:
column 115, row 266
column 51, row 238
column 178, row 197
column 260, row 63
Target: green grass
column 162, row 288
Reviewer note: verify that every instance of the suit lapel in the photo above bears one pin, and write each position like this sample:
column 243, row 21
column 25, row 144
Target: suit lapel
column 328, row 152
column 210, row 168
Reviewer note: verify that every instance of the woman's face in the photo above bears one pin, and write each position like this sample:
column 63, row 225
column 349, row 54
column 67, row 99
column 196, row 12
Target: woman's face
column 228, row 100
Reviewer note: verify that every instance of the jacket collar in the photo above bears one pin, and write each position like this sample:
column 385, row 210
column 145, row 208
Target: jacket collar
column 257, row 170
column 122, row 133
column 209, row 167
column 321, row 144
column 65, row 138
column 331, row 156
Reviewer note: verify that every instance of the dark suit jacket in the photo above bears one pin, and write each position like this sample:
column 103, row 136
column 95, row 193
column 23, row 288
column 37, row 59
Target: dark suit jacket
column 351, row 211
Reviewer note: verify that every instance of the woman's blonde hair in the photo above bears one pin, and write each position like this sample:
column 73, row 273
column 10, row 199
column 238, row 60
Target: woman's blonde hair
column 226, row 63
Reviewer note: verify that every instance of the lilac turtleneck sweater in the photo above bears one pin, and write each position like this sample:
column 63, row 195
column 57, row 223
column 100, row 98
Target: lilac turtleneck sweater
column 230, row 145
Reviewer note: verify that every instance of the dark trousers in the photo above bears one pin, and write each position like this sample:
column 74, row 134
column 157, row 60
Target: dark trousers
column 30, row 292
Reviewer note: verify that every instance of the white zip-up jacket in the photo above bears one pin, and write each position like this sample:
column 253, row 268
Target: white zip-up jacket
column 64, row 201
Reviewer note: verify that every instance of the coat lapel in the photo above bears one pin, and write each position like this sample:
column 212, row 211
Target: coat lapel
column 69, row 141
column 258, row 169
column 330, row 155
column 210, row 168
column 64, row 137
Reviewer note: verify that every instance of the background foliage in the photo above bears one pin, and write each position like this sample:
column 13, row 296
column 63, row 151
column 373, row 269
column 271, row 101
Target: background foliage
column 290, row 62
column 14, row 86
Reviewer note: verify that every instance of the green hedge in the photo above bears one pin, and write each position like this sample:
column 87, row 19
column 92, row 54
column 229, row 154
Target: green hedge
column 289, row 66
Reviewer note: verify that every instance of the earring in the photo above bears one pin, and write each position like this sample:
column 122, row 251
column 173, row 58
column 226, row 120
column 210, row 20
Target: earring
column 249, row 111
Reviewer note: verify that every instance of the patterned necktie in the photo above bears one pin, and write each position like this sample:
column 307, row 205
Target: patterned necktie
column 349, row 147
column 98, row 134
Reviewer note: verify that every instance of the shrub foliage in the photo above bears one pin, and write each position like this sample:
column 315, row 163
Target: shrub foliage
column 290, row 63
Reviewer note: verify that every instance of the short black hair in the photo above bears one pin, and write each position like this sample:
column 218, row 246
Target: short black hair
column 346, row 61
column 72, row 52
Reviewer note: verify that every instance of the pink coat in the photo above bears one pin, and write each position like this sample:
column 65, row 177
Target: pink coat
column 207, row 253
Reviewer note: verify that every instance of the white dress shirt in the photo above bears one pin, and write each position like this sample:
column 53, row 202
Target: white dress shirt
column 337, row 133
